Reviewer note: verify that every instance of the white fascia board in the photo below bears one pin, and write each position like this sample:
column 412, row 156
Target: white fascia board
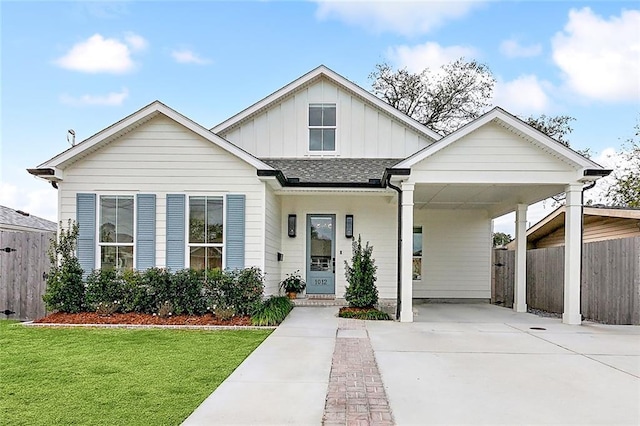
column 338, row 80
column 288, row 190
column 517, row 124
column 143, row 115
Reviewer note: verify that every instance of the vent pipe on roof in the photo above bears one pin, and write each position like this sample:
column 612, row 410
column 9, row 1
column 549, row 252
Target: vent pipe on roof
column 71, row 137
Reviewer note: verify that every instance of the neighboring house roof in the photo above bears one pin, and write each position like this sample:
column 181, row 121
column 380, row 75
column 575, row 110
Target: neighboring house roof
column 515, row 125
column 310, row 77
column 21, row 221
column 333, row 170
column 135, row 120
column 555, row 221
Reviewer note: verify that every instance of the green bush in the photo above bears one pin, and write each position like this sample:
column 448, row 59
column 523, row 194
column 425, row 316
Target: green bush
column 361, row 289
column 137, row 296
column 186, row 287
column 272, row 311
column 65, row 289
column 104, row 286
column 159, row 285
column 238, row 289
column 364, row 314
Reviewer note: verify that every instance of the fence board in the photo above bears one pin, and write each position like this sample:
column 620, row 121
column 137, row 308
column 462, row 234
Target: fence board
column 21, row 273
column 610, row 285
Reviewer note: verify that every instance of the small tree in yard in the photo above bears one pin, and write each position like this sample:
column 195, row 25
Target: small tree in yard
column 65, row 289
column 361, row 277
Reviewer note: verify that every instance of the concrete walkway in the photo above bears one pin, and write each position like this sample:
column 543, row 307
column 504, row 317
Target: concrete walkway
column 457, row 364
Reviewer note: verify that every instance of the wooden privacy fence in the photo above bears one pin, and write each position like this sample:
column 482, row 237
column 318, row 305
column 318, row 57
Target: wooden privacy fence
column 23, row 273
column 610, row 288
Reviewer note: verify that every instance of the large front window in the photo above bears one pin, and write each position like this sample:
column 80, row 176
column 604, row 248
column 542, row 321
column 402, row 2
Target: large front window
column 322, row 127
column 206, row 239
column 116, row 231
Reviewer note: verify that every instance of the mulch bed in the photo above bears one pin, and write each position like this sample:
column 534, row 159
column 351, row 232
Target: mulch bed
column 140, row 319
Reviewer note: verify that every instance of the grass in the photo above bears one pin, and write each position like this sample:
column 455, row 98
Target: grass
column 72, row 376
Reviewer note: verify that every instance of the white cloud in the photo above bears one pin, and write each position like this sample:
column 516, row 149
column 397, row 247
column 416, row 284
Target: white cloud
column 407, row 18
column 186, row 56
column 524, row 95
column 600, row 58
column 428, row 55
column 99, row 54
column 513, row 49
column 110, row 99
column 38, row 202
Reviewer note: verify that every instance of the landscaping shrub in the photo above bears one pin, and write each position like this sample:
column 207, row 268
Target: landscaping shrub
column 187, row 292
column 361, row 290
column 246, row 293
column 160, row 288
column 272, row 311
column 65, row 289
column 137, row 294
column 363, row 314
column 104, row 286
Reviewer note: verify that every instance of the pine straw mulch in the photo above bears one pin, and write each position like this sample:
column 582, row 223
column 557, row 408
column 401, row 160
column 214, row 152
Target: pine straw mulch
column 140, row 319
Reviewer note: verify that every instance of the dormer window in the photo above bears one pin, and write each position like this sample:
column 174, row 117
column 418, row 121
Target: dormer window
column 322, row 127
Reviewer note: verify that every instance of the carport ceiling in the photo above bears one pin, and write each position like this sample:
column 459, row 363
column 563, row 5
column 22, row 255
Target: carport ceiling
column 497, row 199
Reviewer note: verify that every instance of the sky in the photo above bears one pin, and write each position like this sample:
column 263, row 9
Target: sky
column 85, row 65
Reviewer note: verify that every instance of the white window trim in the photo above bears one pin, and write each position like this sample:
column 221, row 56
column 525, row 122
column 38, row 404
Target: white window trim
column 98, row 256
column 188, row 245
column 309, row 127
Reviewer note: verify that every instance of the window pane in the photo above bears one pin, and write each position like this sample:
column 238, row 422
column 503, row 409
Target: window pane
column 197, row 258
column 329, row 140
column 329, row 115
column 125, row 257
column 315, row 139
column 214, row 220
column 108, row 257
column 417, row 241
column 214, row 257
column 124, row 219
column 315, row 115
column 196, row 219
column 107, row 219
column 417, row 268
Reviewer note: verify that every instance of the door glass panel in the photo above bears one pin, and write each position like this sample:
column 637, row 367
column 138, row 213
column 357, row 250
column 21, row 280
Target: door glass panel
column 321, row 241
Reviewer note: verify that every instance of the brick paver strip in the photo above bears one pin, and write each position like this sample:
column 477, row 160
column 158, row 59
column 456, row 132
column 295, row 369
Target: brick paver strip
column 356, row 394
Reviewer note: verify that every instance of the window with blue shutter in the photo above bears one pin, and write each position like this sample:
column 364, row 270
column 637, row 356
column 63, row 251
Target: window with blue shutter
column 235, row 231
column 175, row 231
column 146, row 231
column 86, row 219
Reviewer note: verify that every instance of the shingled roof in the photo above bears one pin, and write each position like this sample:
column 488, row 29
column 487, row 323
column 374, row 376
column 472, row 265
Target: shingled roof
column 332, row 170
column 21, row 221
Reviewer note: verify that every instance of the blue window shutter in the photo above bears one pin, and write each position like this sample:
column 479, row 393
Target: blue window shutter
column 175, row 231
column 146, row 231
column 235, row 234
column 86, row 219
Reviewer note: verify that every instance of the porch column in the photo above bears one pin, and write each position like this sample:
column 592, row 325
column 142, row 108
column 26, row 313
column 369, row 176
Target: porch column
column 520, row 288
column 572, row 254
column 406, row 295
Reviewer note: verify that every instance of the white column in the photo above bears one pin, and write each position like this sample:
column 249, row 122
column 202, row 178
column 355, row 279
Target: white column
column 406, row 295
column 520, row 288
column 572, row 254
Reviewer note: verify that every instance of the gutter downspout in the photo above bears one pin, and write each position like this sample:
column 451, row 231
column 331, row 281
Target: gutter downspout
column 586, row 188
column 399, row 265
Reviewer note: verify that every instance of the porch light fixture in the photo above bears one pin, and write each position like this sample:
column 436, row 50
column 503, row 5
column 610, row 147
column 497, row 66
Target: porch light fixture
column 348, row 226
column 291, row 225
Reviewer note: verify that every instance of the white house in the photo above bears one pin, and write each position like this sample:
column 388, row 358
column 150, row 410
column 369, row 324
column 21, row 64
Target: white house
column 283, row 185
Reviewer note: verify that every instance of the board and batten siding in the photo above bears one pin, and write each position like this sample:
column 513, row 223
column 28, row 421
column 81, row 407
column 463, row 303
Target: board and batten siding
column 272, row 241
column 456, row 254
column 362, row 131
column 595, row 229
column 375, row 219
column 162, row 157
column 492, row 154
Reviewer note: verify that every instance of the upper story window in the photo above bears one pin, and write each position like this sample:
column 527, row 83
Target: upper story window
column 116, row 231
column 322, row 127
column 206, row 238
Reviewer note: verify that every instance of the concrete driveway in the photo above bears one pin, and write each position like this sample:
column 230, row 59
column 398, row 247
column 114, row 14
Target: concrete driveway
column 483, row 364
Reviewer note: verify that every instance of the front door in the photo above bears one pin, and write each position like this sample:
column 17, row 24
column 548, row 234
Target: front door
column 321, row 255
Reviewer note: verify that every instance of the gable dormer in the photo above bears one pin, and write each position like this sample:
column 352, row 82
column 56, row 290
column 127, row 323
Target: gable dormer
column 324, row 115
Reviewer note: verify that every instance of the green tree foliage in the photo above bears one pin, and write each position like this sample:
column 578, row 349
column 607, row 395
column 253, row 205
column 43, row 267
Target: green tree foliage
column 444, row 99
column 65, row 289
column 625, row 189
column 501, row 239
column 361, row 277
column 557, row 127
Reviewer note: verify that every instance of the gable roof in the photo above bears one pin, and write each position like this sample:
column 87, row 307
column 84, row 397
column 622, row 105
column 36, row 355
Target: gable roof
column 23, row 221
column 513, row 124
column 312, row 76
column 368, row 171
column 135, row 120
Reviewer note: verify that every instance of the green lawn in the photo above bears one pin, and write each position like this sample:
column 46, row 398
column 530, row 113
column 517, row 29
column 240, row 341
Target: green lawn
column 73, row 376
